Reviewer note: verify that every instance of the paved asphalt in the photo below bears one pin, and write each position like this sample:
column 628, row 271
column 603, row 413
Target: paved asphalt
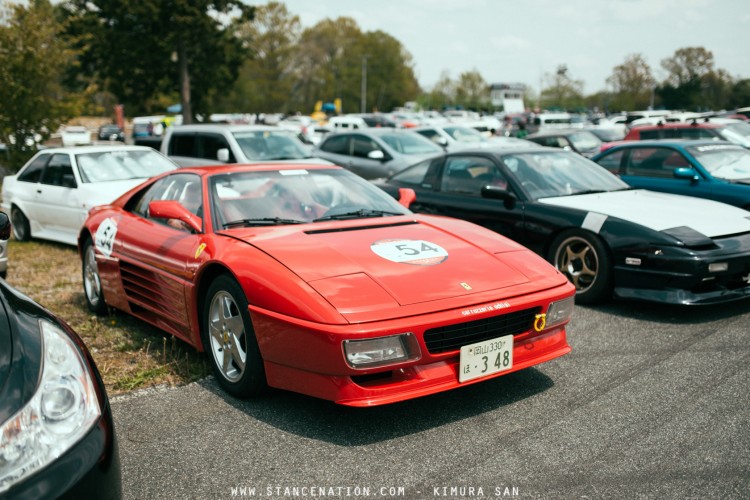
column 651, row 403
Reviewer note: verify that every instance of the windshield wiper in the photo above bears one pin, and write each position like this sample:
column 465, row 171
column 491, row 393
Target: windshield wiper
column 357, row 214
column 265, row 221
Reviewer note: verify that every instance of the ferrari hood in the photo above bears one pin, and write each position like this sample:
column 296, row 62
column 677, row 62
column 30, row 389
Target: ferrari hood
column 410, row 261
column 661, row 211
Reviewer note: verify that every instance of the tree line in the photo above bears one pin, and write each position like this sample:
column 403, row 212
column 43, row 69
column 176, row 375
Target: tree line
column 81, row 57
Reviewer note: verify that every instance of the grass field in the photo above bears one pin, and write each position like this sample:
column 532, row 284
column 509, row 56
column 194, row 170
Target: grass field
column 130, row 354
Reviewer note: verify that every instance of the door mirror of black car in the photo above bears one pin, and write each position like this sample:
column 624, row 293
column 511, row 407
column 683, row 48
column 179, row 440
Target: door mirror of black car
column 498, row 193
column 376, row 154
column 686, row 173
column 4, row 226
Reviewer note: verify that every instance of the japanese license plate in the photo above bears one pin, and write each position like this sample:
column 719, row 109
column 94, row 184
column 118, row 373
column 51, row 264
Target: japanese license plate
column 485, row 358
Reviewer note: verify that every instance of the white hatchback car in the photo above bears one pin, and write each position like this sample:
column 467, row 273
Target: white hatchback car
column 52, row 194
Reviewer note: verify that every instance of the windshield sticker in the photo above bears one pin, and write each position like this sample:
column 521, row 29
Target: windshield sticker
column 293, row 172
column 716, row 147
column 104, row 240
column 415, row 252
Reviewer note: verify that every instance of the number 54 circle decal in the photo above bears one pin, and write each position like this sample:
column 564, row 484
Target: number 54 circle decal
column 104, row 239
column 416, row 252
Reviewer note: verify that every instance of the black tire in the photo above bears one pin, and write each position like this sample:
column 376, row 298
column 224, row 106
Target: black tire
column 21, row 229
column 227, row 329
column 584, row 259
column 92, row 283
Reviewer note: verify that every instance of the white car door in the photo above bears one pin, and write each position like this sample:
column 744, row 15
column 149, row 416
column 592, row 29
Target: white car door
column 59, row 200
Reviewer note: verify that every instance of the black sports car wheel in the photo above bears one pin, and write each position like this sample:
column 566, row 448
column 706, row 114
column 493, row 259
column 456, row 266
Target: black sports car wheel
column 584, row 259
column 229, row 338
column 21, row 230
column 92, row 283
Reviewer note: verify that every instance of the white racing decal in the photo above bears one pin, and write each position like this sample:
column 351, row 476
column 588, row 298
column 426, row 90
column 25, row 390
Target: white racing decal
column 104, row 239
column 594, row 222
column 416, row 252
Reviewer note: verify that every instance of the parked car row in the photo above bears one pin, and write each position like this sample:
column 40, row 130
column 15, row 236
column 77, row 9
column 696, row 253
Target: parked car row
column 294, row 272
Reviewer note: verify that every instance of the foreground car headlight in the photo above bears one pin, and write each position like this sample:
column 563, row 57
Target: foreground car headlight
column 61, row 412
column 380, row 351
column 560, row 311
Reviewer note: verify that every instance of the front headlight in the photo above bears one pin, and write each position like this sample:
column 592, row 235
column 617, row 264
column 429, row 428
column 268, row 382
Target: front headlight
column 560, row 311
column 381, row 351
column 61, row 412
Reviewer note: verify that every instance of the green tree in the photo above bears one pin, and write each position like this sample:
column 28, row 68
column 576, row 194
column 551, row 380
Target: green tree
column 561, row 90
column 389, row 75
column 442, row 95
column 266, row 79
column 632, row 83
column 336, row 60
column 32, row 58
column 689, row 73
column 142, row 50
column 472, row 91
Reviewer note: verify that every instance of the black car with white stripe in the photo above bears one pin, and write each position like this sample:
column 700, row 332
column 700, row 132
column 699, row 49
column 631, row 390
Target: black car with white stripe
column 607, row 238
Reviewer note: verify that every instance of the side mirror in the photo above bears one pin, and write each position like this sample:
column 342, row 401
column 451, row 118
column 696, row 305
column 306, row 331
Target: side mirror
column 686, row 173
column 406, row 196
column 441, row 141
column 498, row 193
column 376, row 154
column 223, row 155
column 4, row 226
column 170, row 209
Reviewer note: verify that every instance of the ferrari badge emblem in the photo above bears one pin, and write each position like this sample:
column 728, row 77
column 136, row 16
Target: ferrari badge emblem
column 540, row 320
column 466, row 286
column 200, row 250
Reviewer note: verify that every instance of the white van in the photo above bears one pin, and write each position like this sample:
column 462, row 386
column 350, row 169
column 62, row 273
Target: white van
column 339, row 123
column 544, row 121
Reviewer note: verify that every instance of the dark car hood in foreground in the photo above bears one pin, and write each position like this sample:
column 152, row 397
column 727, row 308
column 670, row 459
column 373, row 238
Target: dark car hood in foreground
column 20, row 350
column 441, row 259
column 662, row 211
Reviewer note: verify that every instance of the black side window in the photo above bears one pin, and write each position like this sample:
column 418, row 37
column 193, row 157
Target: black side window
column 33, row 173
column 650, row 134
column 469, row 174
column 362, row 146
column 59, row 172
column 183, row 145
column 338, row 144
column 139, row 203
column 210, row 144
column 612, row 161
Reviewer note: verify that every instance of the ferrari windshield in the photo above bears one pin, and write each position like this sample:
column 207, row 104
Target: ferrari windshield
column 547, row 174
column 294, row 196
column 120, row 165
column 724, row 161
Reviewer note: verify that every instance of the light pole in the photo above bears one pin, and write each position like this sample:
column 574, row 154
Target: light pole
column 364, row 84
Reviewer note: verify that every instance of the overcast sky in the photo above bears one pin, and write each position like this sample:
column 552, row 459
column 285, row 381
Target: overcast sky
column 523, row 40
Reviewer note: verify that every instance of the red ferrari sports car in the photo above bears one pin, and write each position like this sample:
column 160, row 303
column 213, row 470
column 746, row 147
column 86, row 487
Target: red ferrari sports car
column 310, row 279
